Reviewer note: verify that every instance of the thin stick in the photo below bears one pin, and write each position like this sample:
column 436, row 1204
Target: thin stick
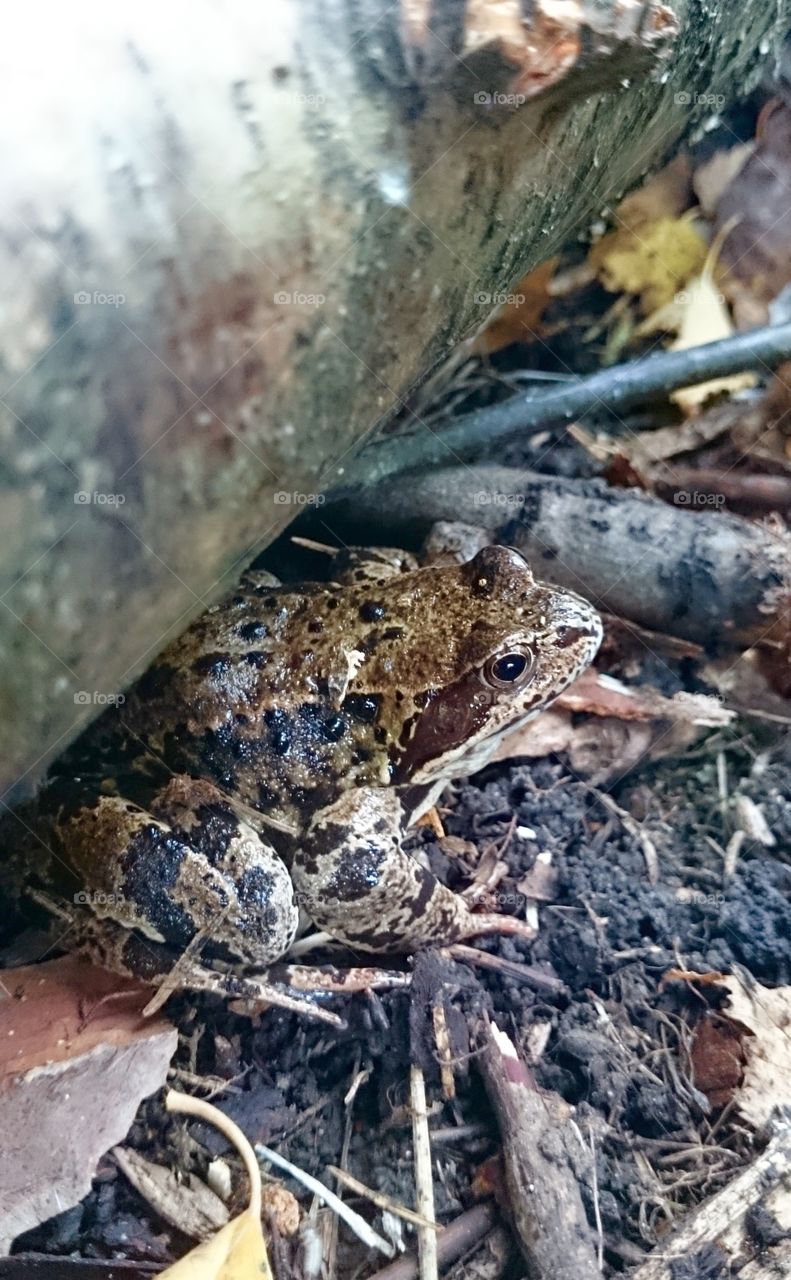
column 424, row 1183
column 381, row 1200
column 353, row 1220
column 617, row 388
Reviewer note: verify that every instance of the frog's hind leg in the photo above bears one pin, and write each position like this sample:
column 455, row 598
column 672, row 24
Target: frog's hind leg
column 184, row 864
column 354, row 880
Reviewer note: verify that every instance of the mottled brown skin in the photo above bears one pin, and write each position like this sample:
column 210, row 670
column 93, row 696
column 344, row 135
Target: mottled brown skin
column 305, row 727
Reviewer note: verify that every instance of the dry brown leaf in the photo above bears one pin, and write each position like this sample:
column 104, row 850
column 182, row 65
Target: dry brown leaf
column 713, row 178
column 766, row 1014
column 519, row 320
column 664, row 195
column 757, row 248
column 238, row 1251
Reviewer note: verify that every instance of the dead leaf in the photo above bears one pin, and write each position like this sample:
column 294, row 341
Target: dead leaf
column 238, row 1251
column 705, row 318
column 766, row 1015
column 712, row 179
column 757, row 249
column 76, row 1049
column 653, row 262
column 519, row 319
column 718, row 1058
column 665, row 194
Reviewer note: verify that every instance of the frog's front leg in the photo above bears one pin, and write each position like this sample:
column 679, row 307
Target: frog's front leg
column 356, row 882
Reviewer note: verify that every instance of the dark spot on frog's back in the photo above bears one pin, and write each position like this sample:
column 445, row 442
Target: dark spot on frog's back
column 151, row 867
column 362, row 706
column 372, row 611
column 213, row 665
column 256, row 658
column 255, row 888
column 252, row 631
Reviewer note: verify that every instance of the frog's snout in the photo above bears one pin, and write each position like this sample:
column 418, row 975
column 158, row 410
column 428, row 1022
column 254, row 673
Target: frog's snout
column 575, row 624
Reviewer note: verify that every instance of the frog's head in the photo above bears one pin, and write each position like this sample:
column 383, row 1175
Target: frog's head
column 484, row 648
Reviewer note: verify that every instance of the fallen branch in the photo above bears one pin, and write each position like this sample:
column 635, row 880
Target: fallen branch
column 713, row 578
column 613, row 389
column 541, row 1151
column 746, row 1227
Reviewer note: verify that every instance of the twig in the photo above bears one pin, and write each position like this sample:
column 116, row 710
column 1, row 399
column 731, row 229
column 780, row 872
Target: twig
column 453, row 1242
column 616, row 388
column 381, row 1200
column 442, row 1041
column 542, row 1155
column 635, row 829
column 596, row 1205
column 424, row 1183
column 353, row 1220
column 527, row 973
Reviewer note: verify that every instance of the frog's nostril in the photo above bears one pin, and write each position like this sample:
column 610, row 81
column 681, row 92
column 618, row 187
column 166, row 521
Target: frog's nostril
column 566, row 636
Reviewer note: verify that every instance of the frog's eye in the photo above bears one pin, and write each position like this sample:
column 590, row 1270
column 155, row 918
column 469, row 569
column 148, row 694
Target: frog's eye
column 508, row 669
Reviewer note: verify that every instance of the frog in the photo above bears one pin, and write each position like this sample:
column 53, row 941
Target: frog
column 267, row 767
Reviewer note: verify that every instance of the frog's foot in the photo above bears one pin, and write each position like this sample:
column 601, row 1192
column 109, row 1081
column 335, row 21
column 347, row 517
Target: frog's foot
column 352, row 565
column 354, row 880
column 127, row 953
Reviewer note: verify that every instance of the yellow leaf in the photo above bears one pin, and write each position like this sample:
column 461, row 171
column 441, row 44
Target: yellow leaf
column 652, row 262
column 238, row 1251
column 703, row 317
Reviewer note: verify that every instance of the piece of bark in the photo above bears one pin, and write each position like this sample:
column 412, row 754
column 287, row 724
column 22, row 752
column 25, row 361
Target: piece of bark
column 206, row 258
column 542, row 1155
column 746, row 1226
column 76, row 1058
column 191, row 1207
column 710, row 577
